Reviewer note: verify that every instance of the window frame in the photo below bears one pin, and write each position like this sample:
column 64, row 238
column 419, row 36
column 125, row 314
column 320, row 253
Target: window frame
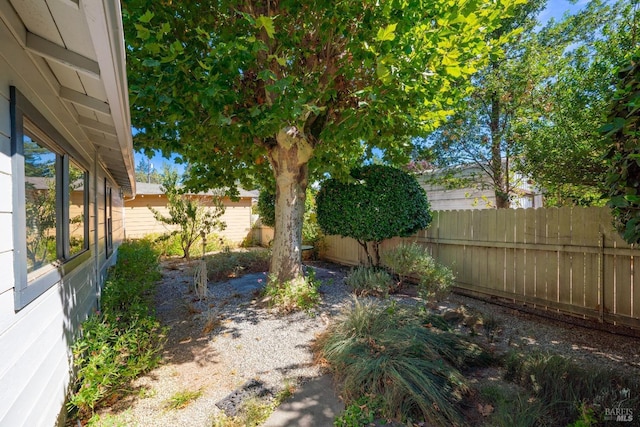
column 29, row 286
column 108, row 218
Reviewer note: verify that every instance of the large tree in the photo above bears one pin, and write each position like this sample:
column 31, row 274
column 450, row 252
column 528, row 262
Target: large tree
column 479, row 137
column 238, row 87
column 562, row 149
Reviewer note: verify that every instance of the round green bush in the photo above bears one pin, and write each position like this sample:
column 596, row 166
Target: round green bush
column 380, row 202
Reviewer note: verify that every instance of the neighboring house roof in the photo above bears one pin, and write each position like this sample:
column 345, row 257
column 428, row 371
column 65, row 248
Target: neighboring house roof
column 148, row 189
column 75, row 74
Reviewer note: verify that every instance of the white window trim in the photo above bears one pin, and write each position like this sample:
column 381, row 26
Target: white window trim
column 29, row 286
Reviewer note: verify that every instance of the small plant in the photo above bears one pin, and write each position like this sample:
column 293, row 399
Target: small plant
column 370, row 281
column 294, row 295
column 188, row 213
column 511, row 408
column 413, row 261
column 389, row 352
column 362, row 412
column 182, row 399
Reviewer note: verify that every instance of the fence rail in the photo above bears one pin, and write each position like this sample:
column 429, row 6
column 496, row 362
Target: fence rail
column 567, row 260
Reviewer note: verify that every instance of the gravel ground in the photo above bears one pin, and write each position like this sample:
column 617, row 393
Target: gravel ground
column 217, row 345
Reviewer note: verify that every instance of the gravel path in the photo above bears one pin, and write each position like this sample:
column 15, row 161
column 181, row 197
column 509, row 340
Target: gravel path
column 218, row 345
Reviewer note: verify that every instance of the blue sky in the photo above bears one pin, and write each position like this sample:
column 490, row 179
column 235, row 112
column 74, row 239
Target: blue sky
column 555, row 9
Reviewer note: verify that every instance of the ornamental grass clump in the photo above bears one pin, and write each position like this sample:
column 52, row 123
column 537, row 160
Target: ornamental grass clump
column 124, row 339
column 569, row 389
column 370, row 281
column 412, row 261
column 392, row 352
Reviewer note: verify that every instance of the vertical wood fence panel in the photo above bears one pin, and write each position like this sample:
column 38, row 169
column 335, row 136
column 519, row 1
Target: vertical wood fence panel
column 568, row 260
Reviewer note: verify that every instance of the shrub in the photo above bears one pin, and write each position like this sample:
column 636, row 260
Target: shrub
column 380, row 203
column 389, row 352
column 300, row 293
column 370, row 281
column 123, row 340
column 193, row 219
column 413, row 261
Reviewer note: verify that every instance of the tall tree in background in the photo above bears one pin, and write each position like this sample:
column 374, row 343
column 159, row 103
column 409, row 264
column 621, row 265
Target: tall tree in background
column 562, row 149
column 480, row 136
column 240, row 87
column 145, row 172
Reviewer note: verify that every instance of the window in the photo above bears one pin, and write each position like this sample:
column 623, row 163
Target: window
column 108, row 222
column 50, row 202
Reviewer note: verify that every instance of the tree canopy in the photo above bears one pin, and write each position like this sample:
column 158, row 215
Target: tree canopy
column 561, row 148
column 240, row 87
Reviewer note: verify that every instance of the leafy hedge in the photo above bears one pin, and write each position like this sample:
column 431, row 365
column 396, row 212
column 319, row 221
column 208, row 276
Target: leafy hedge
column 380, row 203
column 123, row 340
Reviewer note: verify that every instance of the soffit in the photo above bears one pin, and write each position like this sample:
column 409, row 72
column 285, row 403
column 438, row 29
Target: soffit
column 78, row 50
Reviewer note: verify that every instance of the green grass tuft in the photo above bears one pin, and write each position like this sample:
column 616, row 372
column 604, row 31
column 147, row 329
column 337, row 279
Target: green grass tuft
column 387, row 351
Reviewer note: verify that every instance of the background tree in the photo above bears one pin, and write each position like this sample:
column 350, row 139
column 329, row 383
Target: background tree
column 244, row 89
column 193, row 219
column 481, row 134
column 562, row 149
column 623, row 135
column 145, row 172
column 379, row 203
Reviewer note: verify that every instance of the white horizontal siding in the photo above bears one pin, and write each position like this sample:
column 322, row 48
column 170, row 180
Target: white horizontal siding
column 6, row 267
column 7, row 194
column 36, row 342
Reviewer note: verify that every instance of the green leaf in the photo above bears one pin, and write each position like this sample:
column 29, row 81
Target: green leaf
column 383, row 73
column 454, row 71
column 143, row 32
column 151, row 63
column 387, row 33
column 146, row 18
column 266, row 22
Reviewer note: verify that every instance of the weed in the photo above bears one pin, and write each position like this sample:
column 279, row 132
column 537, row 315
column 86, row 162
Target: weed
column 362, row 412
column 370, row 281
column 182, row 399
column 107, row 420
column 390, row 353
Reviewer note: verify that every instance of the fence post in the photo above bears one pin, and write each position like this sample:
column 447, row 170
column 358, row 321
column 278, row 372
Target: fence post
column 601, row 278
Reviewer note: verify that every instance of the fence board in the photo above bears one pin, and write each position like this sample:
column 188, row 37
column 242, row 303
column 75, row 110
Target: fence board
column 565, row 259
column 510, row 253
column 520, row 272
column 550, row 258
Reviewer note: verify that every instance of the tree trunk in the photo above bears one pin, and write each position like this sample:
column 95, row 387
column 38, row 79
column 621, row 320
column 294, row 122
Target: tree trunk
column 289, row 159
column 499, row 177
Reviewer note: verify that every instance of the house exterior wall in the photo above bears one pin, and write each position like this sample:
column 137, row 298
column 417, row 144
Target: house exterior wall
column 141, row 222
column 35, row 340
column 480, row 196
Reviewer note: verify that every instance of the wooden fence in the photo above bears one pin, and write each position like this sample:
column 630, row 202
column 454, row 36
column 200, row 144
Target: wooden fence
column 568, row 260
